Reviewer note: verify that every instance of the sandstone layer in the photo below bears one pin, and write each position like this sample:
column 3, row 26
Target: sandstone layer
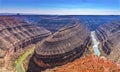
column 109, row 35
column 16, row 35
column 64, row 46
column 55, row 23
column 89, row 63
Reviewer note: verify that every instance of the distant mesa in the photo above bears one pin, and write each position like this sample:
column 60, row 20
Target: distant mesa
column 55, row 23
column 18, row 14
column 8, row 14
column 64, row 46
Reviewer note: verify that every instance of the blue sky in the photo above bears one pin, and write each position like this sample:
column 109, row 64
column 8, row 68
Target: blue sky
column 60, row 6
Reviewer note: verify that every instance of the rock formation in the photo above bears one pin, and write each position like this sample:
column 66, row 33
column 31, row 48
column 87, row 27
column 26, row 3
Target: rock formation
column 89, row 63
column 54, row 24
column 109, row 35
column 64, row 46
column 15, row 35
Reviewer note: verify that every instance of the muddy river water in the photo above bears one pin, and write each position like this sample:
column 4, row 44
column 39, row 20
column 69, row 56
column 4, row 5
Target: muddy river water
column 95, row 44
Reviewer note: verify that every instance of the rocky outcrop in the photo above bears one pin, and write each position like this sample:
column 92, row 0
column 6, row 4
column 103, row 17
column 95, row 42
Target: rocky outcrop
column 15, row 35
column 109, row 35
column 69, row 43
column 89, row 63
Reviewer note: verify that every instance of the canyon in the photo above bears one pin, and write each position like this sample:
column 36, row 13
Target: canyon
column 109, row 35
column 60, row 43
column 15, row 35
column 62, row 47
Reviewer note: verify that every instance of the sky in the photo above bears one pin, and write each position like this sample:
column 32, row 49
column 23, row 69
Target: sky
column 61, row 7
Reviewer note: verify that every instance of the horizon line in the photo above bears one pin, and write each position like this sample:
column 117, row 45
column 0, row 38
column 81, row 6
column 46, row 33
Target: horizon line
column 63, row 11
column 49, row 14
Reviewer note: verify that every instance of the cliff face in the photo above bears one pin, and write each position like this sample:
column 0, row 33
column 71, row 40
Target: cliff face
column 15, row 35
column 89, row 63
column 109, row 35
column 60, row 48
column 51, row 22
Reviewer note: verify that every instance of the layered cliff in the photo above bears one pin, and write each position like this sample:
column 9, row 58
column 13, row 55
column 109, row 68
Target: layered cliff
column 55, row 23
column 69, row 43
column 15, row 35
column 109, row 35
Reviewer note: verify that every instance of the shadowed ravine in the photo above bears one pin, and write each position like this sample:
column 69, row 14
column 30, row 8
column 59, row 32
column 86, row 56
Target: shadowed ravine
column 19, row 63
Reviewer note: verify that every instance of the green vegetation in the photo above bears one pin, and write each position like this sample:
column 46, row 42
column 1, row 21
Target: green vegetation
column 19, row 63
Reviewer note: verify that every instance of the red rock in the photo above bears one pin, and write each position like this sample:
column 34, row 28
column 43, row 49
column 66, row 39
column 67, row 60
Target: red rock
column 89, row 63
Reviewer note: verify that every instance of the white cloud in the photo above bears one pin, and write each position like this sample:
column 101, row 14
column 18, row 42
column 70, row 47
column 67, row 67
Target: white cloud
column 64, row 11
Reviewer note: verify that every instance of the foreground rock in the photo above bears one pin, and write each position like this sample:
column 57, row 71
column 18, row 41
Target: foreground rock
column 89, row 63
column 109, row 35
column 15, row 35
column 60, row 48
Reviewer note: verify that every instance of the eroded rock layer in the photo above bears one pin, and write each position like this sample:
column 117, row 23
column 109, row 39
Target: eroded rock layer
column 109, row 35
column 89, row 63
column 15, row 34
column 60, row 48
column 55, row 22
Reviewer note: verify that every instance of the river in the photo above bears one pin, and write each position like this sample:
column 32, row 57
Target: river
column 95, row 44
column 19, row 63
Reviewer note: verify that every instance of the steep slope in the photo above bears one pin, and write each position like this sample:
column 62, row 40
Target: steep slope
column 16, row 35
column 64, row 46
column 89, row 63
column 109, row 35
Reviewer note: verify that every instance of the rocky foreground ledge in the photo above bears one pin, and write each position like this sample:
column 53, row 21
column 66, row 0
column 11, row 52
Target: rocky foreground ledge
column 15, row 36
column 109, row 35
column 89, row 63
column 62, row 47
